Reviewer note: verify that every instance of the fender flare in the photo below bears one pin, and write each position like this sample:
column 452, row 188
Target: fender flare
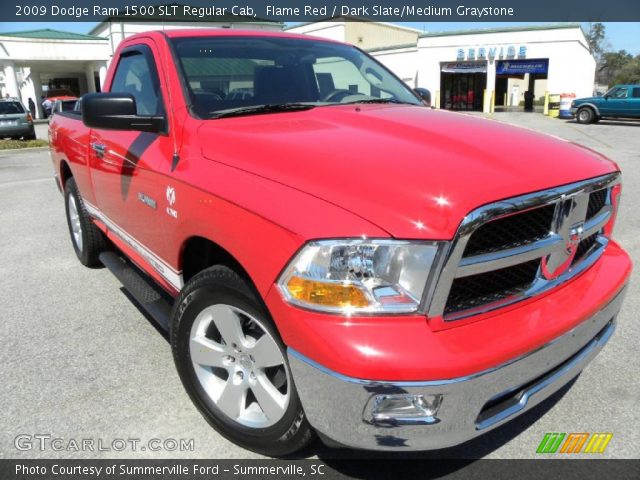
column 595, row 108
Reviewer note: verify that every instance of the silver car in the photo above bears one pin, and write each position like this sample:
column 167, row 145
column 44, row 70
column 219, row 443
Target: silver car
column 15, row 120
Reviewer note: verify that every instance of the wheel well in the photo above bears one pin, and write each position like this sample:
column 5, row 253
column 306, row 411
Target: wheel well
column 200, row 253
column 65, row 173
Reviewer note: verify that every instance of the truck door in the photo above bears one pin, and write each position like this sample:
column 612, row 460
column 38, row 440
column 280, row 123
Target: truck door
column 130, row 192
column 634, row 101
column 615, row 103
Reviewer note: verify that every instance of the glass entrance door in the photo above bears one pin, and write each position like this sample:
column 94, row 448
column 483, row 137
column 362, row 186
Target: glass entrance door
column 462, row 91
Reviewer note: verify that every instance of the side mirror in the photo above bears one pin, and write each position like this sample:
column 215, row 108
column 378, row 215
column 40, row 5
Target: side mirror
column 424, row 94
column 117, row 111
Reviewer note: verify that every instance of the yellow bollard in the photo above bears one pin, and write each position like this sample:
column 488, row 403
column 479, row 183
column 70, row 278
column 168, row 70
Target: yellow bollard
column 546, row 103
column 493, row 101
column 554, row 105
column 504, row 101
column 437, row 104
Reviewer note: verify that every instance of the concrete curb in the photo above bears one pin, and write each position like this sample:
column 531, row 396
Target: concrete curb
column 28, row 149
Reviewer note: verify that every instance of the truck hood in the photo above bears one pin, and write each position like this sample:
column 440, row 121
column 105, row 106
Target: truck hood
column 412, row 171
column 588, row 99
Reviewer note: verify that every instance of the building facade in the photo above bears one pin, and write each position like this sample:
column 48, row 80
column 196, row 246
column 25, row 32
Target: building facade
column 459, row 67
column 35, row 61
column 365, row 35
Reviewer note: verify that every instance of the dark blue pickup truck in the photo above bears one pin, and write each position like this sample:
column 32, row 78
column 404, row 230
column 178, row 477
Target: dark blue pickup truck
column 621, row 101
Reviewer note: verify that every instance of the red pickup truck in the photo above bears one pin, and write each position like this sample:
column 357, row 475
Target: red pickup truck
column 330, row 256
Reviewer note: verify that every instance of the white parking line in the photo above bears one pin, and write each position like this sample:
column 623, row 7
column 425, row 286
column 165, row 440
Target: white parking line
column 23, row 182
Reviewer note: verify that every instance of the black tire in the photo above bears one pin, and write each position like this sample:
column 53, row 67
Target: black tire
column 31, row 135
column 220, row 285
column 597, row 118
column 585, row 115
column 93, row 241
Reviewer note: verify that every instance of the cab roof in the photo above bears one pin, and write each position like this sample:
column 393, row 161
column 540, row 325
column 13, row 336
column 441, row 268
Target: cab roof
column 230, row 32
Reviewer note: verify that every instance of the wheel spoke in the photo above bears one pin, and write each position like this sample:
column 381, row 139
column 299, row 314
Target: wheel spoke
column 232, row 398
column 229, row 326
column 266, row 353
column 206, row 352
column 271, row 401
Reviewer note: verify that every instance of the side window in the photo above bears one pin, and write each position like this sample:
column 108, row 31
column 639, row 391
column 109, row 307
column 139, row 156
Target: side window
column 620, row 93
column 137, row 75
column 635, row 92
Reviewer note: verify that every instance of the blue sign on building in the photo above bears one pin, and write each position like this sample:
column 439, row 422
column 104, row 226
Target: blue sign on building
column 520, row 67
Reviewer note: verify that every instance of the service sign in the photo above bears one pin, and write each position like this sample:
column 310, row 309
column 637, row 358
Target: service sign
column 492, row 52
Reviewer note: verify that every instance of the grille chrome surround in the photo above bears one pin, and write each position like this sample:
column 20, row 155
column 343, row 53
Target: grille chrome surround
column 571, row 203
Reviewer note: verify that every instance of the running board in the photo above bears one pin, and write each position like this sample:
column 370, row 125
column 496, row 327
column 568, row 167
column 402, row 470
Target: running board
column 140, row 287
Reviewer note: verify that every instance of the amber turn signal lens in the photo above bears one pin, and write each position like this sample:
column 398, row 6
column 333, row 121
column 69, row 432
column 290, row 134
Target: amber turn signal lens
column 326, row 294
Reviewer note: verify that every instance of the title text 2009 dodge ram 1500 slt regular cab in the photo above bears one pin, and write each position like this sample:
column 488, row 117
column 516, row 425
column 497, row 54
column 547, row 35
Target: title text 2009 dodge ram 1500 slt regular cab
column 329, row 255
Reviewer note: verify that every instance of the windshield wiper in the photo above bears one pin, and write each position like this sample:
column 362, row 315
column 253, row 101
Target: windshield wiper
column 260, row 109
column 377, row 100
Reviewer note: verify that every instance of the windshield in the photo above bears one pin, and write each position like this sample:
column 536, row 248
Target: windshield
column 7, row 108
column 238, row 74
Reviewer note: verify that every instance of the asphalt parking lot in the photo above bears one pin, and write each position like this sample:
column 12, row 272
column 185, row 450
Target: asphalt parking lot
column 79, row 360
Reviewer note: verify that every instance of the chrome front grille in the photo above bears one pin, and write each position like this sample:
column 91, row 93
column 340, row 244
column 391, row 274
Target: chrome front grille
column 514, row 249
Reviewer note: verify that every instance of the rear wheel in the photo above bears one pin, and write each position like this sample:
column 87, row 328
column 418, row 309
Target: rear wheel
column 87, row 239
column 233, row 364
column 585, row 115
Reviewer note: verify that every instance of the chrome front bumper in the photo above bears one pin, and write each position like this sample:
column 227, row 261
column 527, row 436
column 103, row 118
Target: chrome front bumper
column 336, row 405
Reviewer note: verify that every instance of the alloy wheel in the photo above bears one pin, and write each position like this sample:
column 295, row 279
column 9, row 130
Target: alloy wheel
column 74, row 221
column 239, row 366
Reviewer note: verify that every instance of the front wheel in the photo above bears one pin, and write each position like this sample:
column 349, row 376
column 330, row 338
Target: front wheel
column 233, row 364
column 585, row 115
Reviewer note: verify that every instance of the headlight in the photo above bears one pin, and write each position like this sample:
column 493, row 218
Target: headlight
column 352, row 276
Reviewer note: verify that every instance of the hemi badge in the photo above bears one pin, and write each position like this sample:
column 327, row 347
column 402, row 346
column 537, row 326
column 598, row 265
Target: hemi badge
column 148, row 201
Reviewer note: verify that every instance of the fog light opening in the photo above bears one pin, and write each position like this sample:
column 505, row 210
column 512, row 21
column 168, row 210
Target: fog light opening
column 404, row 409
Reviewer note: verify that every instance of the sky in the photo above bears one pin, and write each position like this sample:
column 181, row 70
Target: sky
column 621, row 35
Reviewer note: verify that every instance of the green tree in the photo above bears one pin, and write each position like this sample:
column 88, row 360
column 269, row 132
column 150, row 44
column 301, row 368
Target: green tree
column 596, row 36
column 610, row 65
column 630, row 72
